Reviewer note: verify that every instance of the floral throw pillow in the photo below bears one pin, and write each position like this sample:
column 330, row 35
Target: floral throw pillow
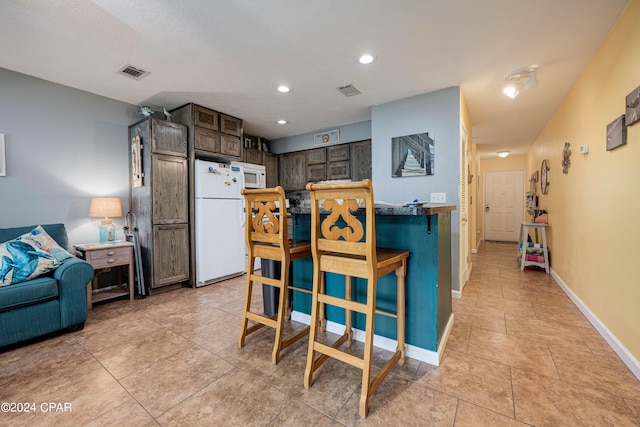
column 29, row 256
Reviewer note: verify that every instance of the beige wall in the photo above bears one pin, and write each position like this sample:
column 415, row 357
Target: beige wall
column 594, row 209
column 494, row 164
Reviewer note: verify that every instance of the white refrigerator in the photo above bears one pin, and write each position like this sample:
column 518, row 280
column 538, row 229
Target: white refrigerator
column 220, row 239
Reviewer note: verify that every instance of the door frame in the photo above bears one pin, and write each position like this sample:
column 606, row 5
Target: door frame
column 465, row 259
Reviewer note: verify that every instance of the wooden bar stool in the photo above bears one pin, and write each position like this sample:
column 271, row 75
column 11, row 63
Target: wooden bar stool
column 337, row 246
column 267, row 238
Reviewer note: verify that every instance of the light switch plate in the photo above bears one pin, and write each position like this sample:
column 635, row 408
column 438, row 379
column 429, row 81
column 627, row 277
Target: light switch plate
column 438, row 197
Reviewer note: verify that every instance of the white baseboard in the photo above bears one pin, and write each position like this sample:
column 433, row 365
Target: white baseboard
column 632, row 363
column 475, row 251
column 458, row 294
column 412, row 351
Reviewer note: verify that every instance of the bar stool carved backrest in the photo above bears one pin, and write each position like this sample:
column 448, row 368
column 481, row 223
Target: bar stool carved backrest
column 342, row 243
column 267, row 238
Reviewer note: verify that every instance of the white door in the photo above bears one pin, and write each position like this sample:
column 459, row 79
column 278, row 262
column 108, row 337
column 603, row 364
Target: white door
column 503, row 204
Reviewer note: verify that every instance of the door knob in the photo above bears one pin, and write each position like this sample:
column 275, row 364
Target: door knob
column 486, row 208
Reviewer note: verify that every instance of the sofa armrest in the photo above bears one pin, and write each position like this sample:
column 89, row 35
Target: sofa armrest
column 73, row 276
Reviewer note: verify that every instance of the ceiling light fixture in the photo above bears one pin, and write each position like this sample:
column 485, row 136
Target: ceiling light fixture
column 511, row 90
column 283, row 89
column 516, row 81
column 282, row 122
column 367, row 58
column 503, row 154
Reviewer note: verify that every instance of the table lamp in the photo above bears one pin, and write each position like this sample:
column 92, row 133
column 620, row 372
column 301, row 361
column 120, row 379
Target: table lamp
column 105, row 207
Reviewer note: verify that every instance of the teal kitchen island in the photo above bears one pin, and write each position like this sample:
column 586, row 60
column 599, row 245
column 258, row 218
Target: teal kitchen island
column 426, row 233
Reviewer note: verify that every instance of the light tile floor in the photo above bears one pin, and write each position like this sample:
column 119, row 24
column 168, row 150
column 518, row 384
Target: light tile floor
column 520, row 353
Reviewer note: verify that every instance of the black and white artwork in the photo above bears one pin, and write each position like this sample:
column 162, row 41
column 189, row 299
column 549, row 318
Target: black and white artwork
column 412, row 155
column 616, row 133
column 632, row 103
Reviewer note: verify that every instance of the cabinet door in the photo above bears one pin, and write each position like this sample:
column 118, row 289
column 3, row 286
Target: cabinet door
column 205, row 118
column 316, row 173
column 230, row 146
column 338, row 153
column 170, row 190
column 361, row 160
column 206, row 140
column 271, row 169
column 251, row 155
column 338, row 170
column 170, row 254
column 316, row 156
column 168, row 138
column 230, row 125
column 292, row 171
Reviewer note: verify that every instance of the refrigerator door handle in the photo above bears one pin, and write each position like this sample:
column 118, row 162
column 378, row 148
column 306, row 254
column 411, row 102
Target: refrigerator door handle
column 243, row 215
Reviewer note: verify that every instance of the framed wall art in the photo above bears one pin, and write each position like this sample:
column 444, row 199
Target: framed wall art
column 412, row 155
column 329, row 137
column 616, row 133
column 632, row 104
column 136, row 161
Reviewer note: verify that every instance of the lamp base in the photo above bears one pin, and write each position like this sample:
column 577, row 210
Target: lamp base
column 107, row 231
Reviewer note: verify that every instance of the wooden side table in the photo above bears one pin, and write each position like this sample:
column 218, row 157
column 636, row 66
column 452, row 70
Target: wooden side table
column 107, row 255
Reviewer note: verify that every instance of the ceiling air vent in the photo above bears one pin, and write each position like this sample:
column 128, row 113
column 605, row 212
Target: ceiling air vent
column 133, row 72
column 349, row 90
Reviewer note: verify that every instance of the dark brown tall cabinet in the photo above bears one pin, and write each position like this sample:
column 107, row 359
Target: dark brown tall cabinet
column 212, row 136
column 159, row 191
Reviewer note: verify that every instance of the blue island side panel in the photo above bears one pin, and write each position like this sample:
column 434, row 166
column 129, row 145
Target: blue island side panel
column 406, row 232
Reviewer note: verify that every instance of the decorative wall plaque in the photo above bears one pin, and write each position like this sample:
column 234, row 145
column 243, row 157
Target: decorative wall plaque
column 616, row 133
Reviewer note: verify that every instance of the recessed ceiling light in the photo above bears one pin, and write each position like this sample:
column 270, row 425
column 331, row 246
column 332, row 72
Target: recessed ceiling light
column 503, row 154
column 367, row 58
column 282, row 122
column 283, row 89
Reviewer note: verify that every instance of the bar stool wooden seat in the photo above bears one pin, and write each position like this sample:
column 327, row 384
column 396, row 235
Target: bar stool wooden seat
column 267, row 238
column 337, row 246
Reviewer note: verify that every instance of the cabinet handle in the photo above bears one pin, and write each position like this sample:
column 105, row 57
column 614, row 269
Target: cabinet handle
column 111, row 261
column 111, row 253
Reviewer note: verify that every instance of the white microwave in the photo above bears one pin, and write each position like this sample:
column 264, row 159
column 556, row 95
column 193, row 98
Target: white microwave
column 255, row 176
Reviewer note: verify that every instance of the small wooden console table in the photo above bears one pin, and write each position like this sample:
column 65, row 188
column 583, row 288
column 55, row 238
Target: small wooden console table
column 107, row 255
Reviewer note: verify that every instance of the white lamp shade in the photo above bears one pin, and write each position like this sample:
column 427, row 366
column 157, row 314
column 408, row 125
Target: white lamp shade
column 105, row 207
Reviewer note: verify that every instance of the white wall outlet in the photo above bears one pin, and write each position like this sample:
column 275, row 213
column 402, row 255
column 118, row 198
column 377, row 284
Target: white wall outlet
column 438, row 198
column 584, row 148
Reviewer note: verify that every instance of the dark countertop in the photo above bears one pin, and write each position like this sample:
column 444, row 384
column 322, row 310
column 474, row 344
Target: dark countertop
column 430, row 209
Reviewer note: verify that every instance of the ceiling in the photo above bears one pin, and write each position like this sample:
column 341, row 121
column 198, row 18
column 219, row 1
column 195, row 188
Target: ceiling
column 230, row 55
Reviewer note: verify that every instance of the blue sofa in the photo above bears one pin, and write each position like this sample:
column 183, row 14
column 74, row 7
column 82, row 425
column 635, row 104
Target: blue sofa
column 52, row 302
